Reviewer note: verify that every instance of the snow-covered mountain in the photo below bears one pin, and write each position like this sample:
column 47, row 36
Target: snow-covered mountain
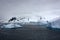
column 55, row 23
column 33, row 20
column 29, row 19
column 25, row 21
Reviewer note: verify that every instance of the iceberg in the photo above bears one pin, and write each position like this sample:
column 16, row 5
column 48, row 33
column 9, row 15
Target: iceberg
column 11, row 25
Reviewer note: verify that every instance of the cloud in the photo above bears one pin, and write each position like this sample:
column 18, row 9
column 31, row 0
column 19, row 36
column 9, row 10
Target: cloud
column 9, row 8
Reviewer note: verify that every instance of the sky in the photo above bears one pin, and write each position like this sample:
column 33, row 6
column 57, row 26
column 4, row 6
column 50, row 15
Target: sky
column 29, row 8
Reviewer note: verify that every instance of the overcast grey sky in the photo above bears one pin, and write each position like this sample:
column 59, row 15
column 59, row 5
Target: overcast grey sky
column 46, row 8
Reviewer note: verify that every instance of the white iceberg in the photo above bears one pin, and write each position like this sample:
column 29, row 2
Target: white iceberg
column 11, row 25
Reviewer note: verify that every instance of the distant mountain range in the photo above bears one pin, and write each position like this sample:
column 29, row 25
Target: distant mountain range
column 55, row 23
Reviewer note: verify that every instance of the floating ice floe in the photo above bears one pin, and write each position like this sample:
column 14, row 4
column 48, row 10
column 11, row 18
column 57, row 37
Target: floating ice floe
column 11, row 25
